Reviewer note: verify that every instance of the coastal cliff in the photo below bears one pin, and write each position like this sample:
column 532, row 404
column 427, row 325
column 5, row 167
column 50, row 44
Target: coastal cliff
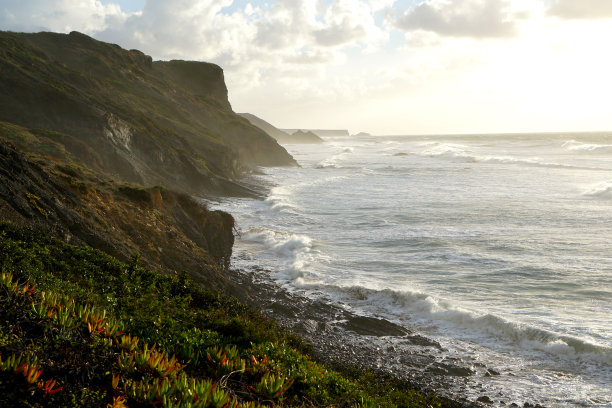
column 170, row 231
column 119, row 113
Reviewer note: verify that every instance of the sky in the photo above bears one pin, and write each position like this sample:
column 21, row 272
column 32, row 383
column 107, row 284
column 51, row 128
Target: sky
column 377, row 66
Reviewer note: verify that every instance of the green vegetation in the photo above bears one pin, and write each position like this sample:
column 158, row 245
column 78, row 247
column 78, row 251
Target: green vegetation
column 80, row 328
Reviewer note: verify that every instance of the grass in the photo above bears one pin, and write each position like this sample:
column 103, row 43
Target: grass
column 80, row 328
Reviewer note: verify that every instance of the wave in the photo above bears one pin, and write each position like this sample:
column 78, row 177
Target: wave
column 278, row 201
column 326, row 164
column 461, row 153
column 333, row 161
column 575, row 146
column 445, row 149
column 293, row 250
column 426, row 309
column 600, row 190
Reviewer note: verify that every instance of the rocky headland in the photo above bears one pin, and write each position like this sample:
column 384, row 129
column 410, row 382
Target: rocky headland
column 296, row 137
column 321, row 132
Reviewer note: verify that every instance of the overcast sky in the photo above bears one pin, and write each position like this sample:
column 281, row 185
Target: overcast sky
column 380, row 66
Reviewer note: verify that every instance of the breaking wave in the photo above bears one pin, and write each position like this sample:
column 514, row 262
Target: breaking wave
column 293, row 250
column 463, row 154
column 334, row 161
column 575, row 146
column 427, row 309
column 279, row 201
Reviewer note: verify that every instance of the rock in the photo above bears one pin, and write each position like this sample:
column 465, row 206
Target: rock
column 449, row 369
column 371, row 326
column 485, row 399
column 419, row 340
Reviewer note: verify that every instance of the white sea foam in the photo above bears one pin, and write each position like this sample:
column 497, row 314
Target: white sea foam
column 326, row 164
column 334, row 161
column 293, row 250
column 279, row 200
column 446, row 149
column 427, row 310
column 463, row 154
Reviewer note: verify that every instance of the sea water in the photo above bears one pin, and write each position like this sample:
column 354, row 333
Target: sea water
column 497, row 246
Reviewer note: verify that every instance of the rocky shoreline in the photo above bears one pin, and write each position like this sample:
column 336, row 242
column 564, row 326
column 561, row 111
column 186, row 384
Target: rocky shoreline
column 349, row 341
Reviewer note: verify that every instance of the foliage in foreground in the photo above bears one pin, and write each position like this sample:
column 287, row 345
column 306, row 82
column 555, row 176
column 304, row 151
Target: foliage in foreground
column 79, row 328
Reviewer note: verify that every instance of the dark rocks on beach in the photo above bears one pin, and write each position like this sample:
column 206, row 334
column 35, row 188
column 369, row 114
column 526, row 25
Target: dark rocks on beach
column 400, row 154
column 418, row 340
column 371, row 326
column 485, row 399
column 449, row 369
column 342, row 338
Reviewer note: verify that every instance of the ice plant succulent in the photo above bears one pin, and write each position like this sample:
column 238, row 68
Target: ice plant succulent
column 273, row 386
column 49, row 386
column 225, row 360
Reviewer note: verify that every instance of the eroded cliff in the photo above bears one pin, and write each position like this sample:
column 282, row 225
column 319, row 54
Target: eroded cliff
column 170, row 231
column 119, row 113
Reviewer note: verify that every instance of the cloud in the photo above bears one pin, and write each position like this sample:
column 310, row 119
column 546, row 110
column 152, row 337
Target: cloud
column 583, row 9
column 349, row 21
column 60, row 16
column 254, row 44
column 338, row 63
column 461, row 18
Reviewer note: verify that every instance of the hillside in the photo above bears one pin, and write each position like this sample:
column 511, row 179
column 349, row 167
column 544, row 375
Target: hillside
column 119, row 113
column 281, row 136
column 170, row 231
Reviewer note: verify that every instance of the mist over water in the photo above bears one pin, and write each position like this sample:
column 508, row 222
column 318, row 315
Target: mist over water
column 497, row 246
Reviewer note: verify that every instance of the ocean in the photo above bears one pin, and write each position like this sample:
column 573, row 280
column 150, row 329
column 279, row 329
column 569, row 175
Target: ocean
column 499, row 247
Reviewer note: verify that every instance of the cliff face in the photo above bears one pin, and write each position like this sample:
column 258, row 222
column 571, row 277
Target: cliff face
column 119, row 113
column 169, row 230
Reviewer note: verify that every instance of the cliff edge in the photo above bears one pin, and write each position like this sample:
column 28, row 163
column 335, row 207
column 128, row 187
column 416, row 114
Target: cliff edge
column 119, row 113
